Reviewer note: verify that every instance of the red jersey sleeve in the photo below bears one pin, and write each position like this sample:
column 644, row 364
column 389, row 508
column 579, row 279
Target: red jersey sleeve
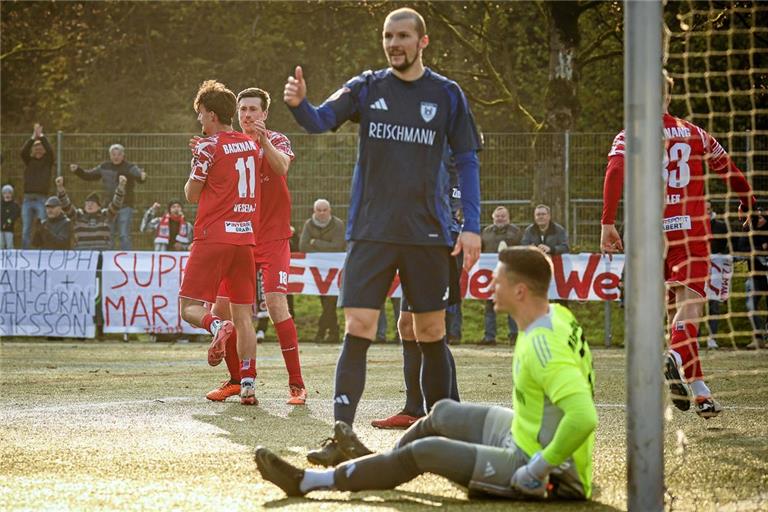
column 282, row 144
column 613, row 186
column 202, row 159
column 721, row 163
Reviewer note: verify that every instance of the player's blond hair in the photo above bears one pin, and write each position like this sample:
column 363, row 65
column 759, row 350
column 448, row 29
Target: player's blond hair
column 216, row 98
column 406, row 13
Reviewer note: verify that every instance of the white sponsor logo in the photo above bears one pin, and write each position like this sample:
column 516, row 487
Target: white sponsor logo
column 489, row 470
column 379, row 104
column 244, row 208
column 238, row 227
column 428, row 111
column 447, row 293
column 401, row 133
column 342, row 399
column 239, row 147
column 678, row 223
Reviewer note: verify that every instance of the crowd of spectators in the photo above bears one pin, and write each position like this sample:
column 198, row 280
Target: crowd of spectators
column 105, row 221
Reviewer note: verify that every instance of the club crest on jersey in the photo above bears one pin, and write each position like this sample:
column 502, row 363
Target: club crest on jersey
column 428, row 111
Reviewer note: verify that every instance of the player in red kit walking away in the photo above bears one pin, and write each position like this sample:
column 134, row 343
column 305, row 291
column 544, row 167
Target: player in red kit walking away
column 686, row 228
column 224, row 181
column 272, row 253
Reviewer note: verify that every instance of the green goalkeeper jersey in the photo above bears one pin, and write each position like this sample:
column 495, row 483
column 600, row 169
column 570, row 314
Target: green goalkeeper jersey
column 554, row 388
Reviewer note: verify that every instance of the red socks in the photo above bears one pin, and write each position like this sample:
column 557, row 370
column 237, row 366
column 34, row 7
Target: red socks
column 286, row 334
column 684, row 341
column 230, row 357
column 247, row 369
column 208, row 319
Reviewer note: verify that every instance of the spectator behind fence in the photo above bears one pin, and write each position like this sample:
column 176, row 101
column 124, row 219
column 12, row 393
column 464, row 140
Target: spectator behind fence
column 55, row 231
column 756, row 243
column 501, row 231
column 324, row 233
column 550, row 237
column 109, row 172
column 718, row 244
column 37, row 155
column 9, row 214
column 172, row 231
column 91, row 223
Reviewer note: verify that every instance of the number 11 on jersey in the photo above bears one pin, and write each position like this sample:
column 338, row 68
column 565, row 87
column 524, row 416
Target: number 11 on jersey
column 246, row 168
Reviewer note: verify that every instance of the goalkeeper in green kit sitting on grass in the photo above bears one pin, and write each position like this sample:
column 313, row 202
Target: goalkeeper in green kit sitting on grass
column 540, row 448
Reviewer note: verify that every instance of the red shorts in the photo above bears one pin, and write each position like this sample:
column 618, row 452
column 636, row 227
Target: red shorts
column 273, row 258
column 688, row 265
column 213, row 264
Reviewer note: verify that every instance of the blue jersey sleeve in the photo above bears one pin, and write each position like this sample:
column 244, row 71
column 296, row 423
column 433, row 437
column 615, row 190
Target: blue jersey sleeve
column 468, row 169
column 340, row 107
column 462, row 132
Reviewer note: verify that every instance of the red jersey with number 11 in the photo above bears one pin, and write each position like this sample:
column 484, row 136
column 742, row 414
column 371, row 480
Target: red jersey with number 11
column 686, row 148
column 228, row 163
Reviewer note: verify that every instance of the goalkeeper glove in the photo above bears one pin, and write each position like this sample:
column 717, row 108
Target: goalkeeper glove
column 532, row 479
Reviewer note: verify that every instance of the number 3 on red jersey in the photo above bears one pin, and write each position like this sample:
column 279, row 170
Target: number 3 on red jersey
column 246, row 184
column 677, row 173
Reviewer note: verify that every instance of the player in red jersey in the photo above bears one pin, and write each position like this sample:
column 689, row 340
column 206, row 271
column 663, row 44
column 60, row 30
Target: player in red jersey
column 224, row 181
column 272, row 253
column 686, row 228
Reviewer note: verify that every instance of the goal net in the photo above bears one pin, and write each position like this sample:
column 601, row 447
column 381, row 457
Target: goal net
column 717, row 54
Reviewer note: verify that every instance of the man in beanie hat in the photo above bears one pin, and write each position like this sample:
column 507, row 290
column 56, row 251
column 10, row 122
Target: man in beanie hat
column 172, row 231
column 91, row 223
column 10, row 213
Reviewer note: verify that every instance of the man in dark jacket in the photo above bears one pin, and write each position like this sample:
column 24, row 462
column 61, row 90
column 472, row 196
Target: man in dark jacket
column 324, row 233
column 718, row 244
column 37, row 155
column 109, row 172
column 56, row 230
column 550, row 237
column 502, row 230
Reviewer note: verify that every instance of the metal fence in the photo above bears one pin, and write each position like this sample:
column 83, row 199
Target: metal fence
column 324, row 164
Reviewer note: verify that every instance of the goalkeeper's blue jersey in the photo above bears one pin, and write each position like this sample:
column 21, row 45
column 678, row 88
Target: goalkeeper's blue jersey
column 401, row 189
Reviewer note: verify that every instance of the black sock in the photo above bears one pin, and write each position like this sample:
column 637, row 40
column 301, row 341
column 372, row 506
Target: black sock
column 454, row 382
column 414, row 401
column 350, row 378
column 435, row 372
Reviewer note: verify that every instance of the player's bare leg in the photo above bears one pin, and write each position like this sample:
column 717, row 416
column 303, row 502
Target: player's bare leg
column 230, row 386
column 689, row 307
column 277, row 306
column 194, row 313
column 246, row 351
column 361, row 326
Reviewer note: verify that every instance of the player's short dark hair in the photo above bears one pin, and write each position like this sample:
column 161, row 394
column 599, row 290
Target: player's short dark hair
column 215, row 97
column 407, row 13
column 530, row 265
column 549, row 210
column 255, row 92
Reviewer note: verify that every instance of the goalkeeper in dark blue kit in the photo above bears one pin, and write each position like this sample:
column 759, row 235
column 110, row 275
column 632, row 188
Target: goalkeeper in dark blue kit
column 399, row 215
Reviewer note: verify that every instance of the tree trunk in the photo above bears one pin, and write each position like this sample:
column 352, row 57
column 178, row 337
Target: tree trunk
column 561, row 107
